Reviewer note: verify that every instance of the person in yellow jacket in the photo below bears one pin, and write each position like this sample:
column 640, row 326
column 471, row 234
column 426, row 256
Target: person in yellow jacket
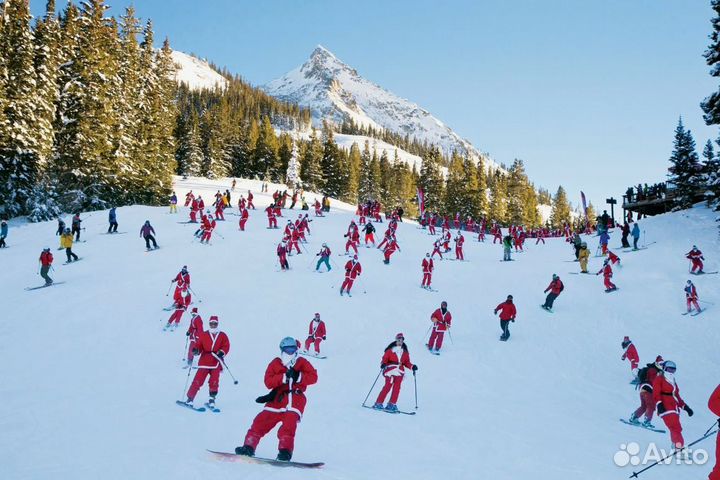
column 66, row 242
column 583, row 256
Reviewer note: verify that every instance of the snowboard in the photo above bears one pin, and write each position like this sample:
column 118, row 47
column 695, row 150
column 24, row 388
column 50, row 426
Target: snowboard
column 113, row 233
column 312, row 355
column 549, row 310
column 612, row 290
column 74, row 261
column 705, row 273
column 658, row 430
column 151, row 249
column 189, row 407
column 579, row 273
column 212, row 409
column 27, row 289
column 429, row 289
column 233, row 457
column 391, row 413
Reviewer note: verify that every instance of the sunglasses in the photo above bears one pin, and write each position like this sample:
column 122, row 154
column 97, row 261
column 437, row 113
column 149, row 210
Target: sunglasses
column 289, row 350
column 670, row 369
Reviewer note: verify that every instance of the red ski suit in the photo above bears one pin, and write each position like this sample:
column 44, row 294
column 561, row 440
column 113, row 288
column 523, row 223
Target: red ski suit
column 459, row 240
column 394, row 362
column 441, row 323
column 714, row 406
column 427, row 267
column 691, row 297
column 353, row 240
column 696, row 257
column 392, row 246
column 182, row 297
column 177, row 314
column 182, row 279
column 272, row 221
column 286, row 405
column 667, row 394
column 207, row 232
column 193, row 333
column 352, row 271
column 208, row 345
column 316, row 334
column 243, row 218
column 607, row 275
column 631, row 354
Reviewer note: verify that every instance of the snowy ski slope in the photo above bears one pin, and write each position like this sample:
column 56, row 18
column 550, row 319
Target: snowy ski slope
column 89, row 379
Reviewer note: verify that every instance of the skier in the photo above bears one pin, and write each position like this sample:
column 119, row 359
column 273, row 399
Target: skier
column 353, row 240
column 507, row 244
column 507, row 315
column 181, row 297
column 583, row 257
column 189, row 197
column 646, row 377
column 66, row 242
column 272, row 219
column 607, row 272
column 287, row 376
column 636, row 235
column 212, row 345
column 148, row 232
column 691, row 297
column 441, row 319
column 316, row 334
column 282, row 256
column 173, row 203
column 625, row 234
column 436, row 249
column 46, row 259
column 556, row 286
column 193, row 334
column 180, row 308
column 353, row 269
column 427, row 267
column 604, row 239
column 250, row 200
column 577, row 243
column 244, row 215
column 76, row 221
column 390, row 249
column 369, row 230
column 459, row 240
column 324, row 255
column 3, row 233
column 112, row 220
column 631, row 354
column 393, row 364
column 666, row 395
column 714, row 406
column 696, row 257
column 60, row 228
column 182, row 278
column 207, row 230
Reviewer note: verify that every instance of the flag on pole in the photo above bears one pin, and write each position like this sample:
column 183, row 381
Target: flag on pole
column 421, row 201
column 584, row 204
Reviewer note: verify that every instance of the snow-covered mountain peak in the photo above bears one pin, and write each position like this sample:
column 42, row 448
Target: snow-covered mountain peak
column 196, row 73
column 334, row 90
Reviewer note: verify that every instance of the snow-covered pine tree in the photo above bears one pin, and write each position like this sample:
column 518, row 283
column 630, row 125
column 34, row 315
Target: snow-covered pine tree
column 387, row 188
column 375, row 177
column 365, row 187
column 531, row 213
column 310, row 170
column 188, row 154
column 431, row 180
column 354, row 160
column 560, row 213
column 19, row 134
column 292, row 175
column 711, row 104
column 516, row 192
column 285, row 154
column 711, row 175
column 685, row 169
column 47, row 55
column 455, row 195
column 164, row 113
column 482, row 188
column 330, row 163
column 265, row 155
column 497, row 209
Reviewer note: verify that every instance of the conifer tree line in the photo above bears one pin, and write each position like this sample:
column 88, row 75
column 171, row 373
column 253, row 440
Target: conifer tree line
column 708, row 174
column 87, row 110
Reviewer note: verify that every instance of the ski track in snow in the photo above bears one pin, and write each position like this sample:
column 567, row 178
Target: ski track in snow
column 90, row 380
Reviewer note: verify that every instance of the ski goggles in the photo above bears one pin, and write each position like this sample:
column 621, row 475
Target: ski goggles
column 290, row 349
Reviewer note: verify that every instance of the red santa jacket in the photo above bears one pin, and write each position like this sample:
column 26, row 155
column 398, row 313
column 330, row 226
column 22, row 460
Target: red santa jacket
column 555, row 287
column 244, row 215
column 714, row 401
column 606, row 271
column 694, row 254
column 667, row 393
column 289, row 396
column 317, row 329
column 281, row 250
column 352, row 270
column 182, row 296
column 392, row 246
column 395, row 360
column 209, row 226
column 459, row 240
column 196, row 327
column 182, row 279
column 631, row 354
column 427, row 265
column 270, row 212
column 441, row 321
column 209, row 345
column 507, row 310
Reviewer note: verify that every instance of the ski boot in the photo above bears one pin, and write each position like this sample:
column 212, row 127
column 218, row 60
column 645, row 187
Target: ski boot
column 647, row 424
column 246, row 450
column 378, row 406
column 284, row 455
column 634, row 420
column 391, row 407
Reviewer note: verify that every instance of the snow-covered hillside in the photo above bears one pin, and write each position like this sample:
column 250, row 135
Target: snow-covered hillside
column 196, row 73
column 90, row 378
column 332, row 89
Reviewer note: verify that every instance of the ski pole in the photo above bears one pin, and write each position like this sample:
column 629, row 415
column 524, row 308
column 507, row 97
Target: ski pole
column 450, row 335
column 187, row 339
column 196, row 295
column 187, row 380
column 415, row 379
column 168, row 292
column 371, row 388
column 226, row 367
column 703, row 301
column 707, row 434
column 427, row 333
column 219, row 235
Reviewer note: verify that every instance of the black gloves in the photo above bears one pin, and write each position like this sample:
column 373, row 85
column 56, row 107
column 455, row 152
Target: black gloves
column 688, row 410
column 382, row 366
column 187, row 334
column 268, row 397
column 512, row 320
column 292, row 374
column 220, row 353
column 414, row 369
column 661, row 408
column 324, row 338
column 196, row 351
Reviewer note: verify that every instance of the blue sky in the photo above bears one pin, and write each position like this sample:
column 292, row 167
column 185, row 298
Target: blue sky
column 586, row 93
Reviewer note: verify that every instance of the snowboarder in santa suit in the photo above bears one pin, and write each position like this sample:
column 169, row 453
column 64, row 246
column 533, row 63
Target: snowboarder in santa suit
column 193, row 334
column 316, row 334
column 353, row 269
column 508, row 313
column 393, row 364
column 287, row 376
column 212, row 345
column 631, row 354
column 556, row 286
column 324, row 255
column 427, row 267
column 714, row 406
column 666, row 395
column 696, row 257
column 691, row 297
column 646, row 377
column 607, row 275
column 272, row 219
column 441, row 319
column 391, row 247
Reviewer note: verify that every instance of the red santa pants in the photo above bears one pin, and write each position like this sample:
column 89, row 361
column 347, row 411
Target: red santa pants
column 266, row 421
column 459, row 253
column 190, row 354
column 436, row 250
column 692, row 302
column 540, row 239
column 219, row 214
column 696, row 265
column 497, row 237
column 272, row 222
column 432, row 229
column 436, row 339
column 349, row 244
column 312, row 340
column 199, row 379
column 347, row 284
column 243, row 221
column 391, row 382
column 388, row 253
column 176, row 316
column 206, row 236
column 427, row 278
column 647, row 406
column 250, row 204
column 383, row 243
column 369, row 238
column 193, row 216
column 604, row 248
column 481, row 237
column 672, row 422
column 294, row 244
column 608, row 283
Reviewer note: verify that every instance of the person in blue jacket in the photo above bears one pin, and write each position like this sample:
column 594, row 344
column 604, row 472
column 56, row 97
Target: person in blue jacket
column 3, row 233
column 636, row 235
column 604, row 239
column 112, row 218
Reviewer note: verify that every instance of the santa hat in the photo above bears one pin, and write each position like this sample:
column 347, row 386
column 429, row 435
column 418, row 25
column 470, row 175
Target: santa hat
column 194, row 310
column 214, row 318
column 626, row 339
column 399, row 336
